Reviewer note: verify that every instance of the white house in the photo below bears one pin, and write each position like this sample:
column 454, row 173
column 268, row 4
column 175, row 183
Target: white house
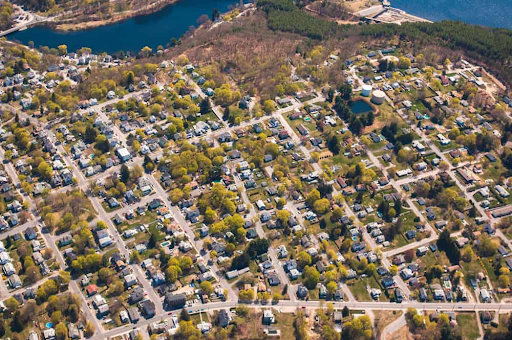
column 9, row 269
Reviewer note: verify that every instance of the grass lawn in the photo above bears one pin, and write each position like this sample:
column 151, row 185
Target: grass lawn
column 285, row 324
column 494, row 171
column 468, row 325
column 503, row 325
column 431, row 259
column 384, row 318
column 399, row 241
column 358, row 288
column 148, row 217
column 196, row 317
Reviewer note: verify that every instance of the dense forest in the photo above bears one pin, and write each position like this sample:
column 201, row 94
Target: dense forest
column 284, row 16
column 492, row 46
column 6, row 11
column 38, row 5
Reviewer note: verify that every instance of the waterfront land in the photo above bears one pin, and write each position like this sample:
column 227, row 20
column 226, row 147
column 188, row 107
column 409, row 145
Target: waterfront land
column 80, row 18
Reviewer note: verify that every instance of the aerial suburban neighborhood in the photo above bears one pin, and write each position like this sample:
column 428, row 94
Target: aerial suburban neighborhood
column 344, row 196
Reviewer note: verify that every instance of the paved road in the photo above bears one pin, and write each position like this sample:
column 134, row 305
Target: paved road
column 33, row 19
column 290, row 306
column 252, row 216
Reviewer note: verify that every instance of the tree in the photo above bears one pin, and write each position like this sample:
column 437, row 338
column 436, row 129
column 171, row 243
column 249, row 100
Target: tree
column 89, row 329
column 205, row 106
column 487, row 247
column 240, row 261
column 61, row 331
column 310, row 277
column 333, row 144
column 242, row 310
column 268, row 106
column 102, row 143
column 215, row 14
column 356, row 126
column 257, row 247
column 331, row 288
column 345, row 312
column 172, row 273
column 187, row 330
column 283, row 216
column 105, row 275
column 12, row 304
column 32, row 275
column 206, row 287
column 90, row 134
column 312, row 197
column 345, row 91
column 185, row 263
column 184, row 315
column 246, row 295
column 446, row 244
column 321, row 206
column 136, row 146
column 276, row 297
column 125, row 174
column 303, row 259
column 504, row 281
column 63, row 49
column 210, row 216
column 467, row 254
column 404, row 62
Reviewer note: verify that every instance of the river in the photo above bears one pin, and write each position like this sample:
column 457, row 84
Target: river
column 129, row 35
column 493, row 13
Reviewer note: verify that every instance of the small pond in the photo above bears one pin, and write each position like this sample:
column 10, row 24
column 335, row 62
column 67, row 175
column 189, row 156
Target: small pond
column 360, row 106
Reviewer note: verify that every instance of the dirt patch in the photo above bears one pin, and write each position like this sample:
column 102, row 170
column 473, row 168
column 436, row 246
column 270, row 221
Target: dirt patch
column 384, row 318
column 402, row 334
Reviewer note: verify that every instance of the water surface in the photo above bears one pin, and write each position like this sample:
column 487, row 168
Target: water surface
column 131, row 34
column 494, row 13
column 360, row 106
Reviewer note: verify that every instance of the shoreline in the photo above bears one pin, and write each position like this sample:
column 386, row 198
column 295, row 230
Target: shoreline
column 74, row 24
column 388, row 15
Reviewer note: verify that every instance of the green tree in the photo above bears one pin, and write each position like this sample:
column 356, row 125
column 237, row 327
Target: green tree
column 310, row 277
column 125, row 174
column 89, row 329
column 268, row 106
column 321, row 206
column 206, row 287
column 61, row 331
column 90, row 134
column 102, row 143
column 303, row 259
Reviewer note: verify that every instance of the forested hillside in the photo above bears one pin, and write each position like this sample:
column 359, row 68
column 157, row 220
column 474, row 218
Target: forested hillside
column 284, row 16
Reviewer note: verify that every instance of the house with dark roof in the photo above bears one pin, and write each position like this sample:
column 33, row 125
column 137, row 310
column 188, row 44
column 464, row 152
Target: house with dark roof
column 388, row 281
column 174, row 301
column 30, row 233
column 148, row 308
column 222, row 318
column 302, row 292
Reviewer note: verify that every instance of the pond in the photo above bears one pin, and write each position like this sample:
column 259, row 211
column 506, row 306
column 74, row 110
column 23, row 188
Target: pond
column 360, row 106
column 129, row 35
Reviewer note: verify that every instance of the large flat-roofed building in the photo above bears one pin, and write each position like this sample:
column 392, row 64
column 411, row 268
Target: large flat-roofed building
column 500, row 212
column 123, row 154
